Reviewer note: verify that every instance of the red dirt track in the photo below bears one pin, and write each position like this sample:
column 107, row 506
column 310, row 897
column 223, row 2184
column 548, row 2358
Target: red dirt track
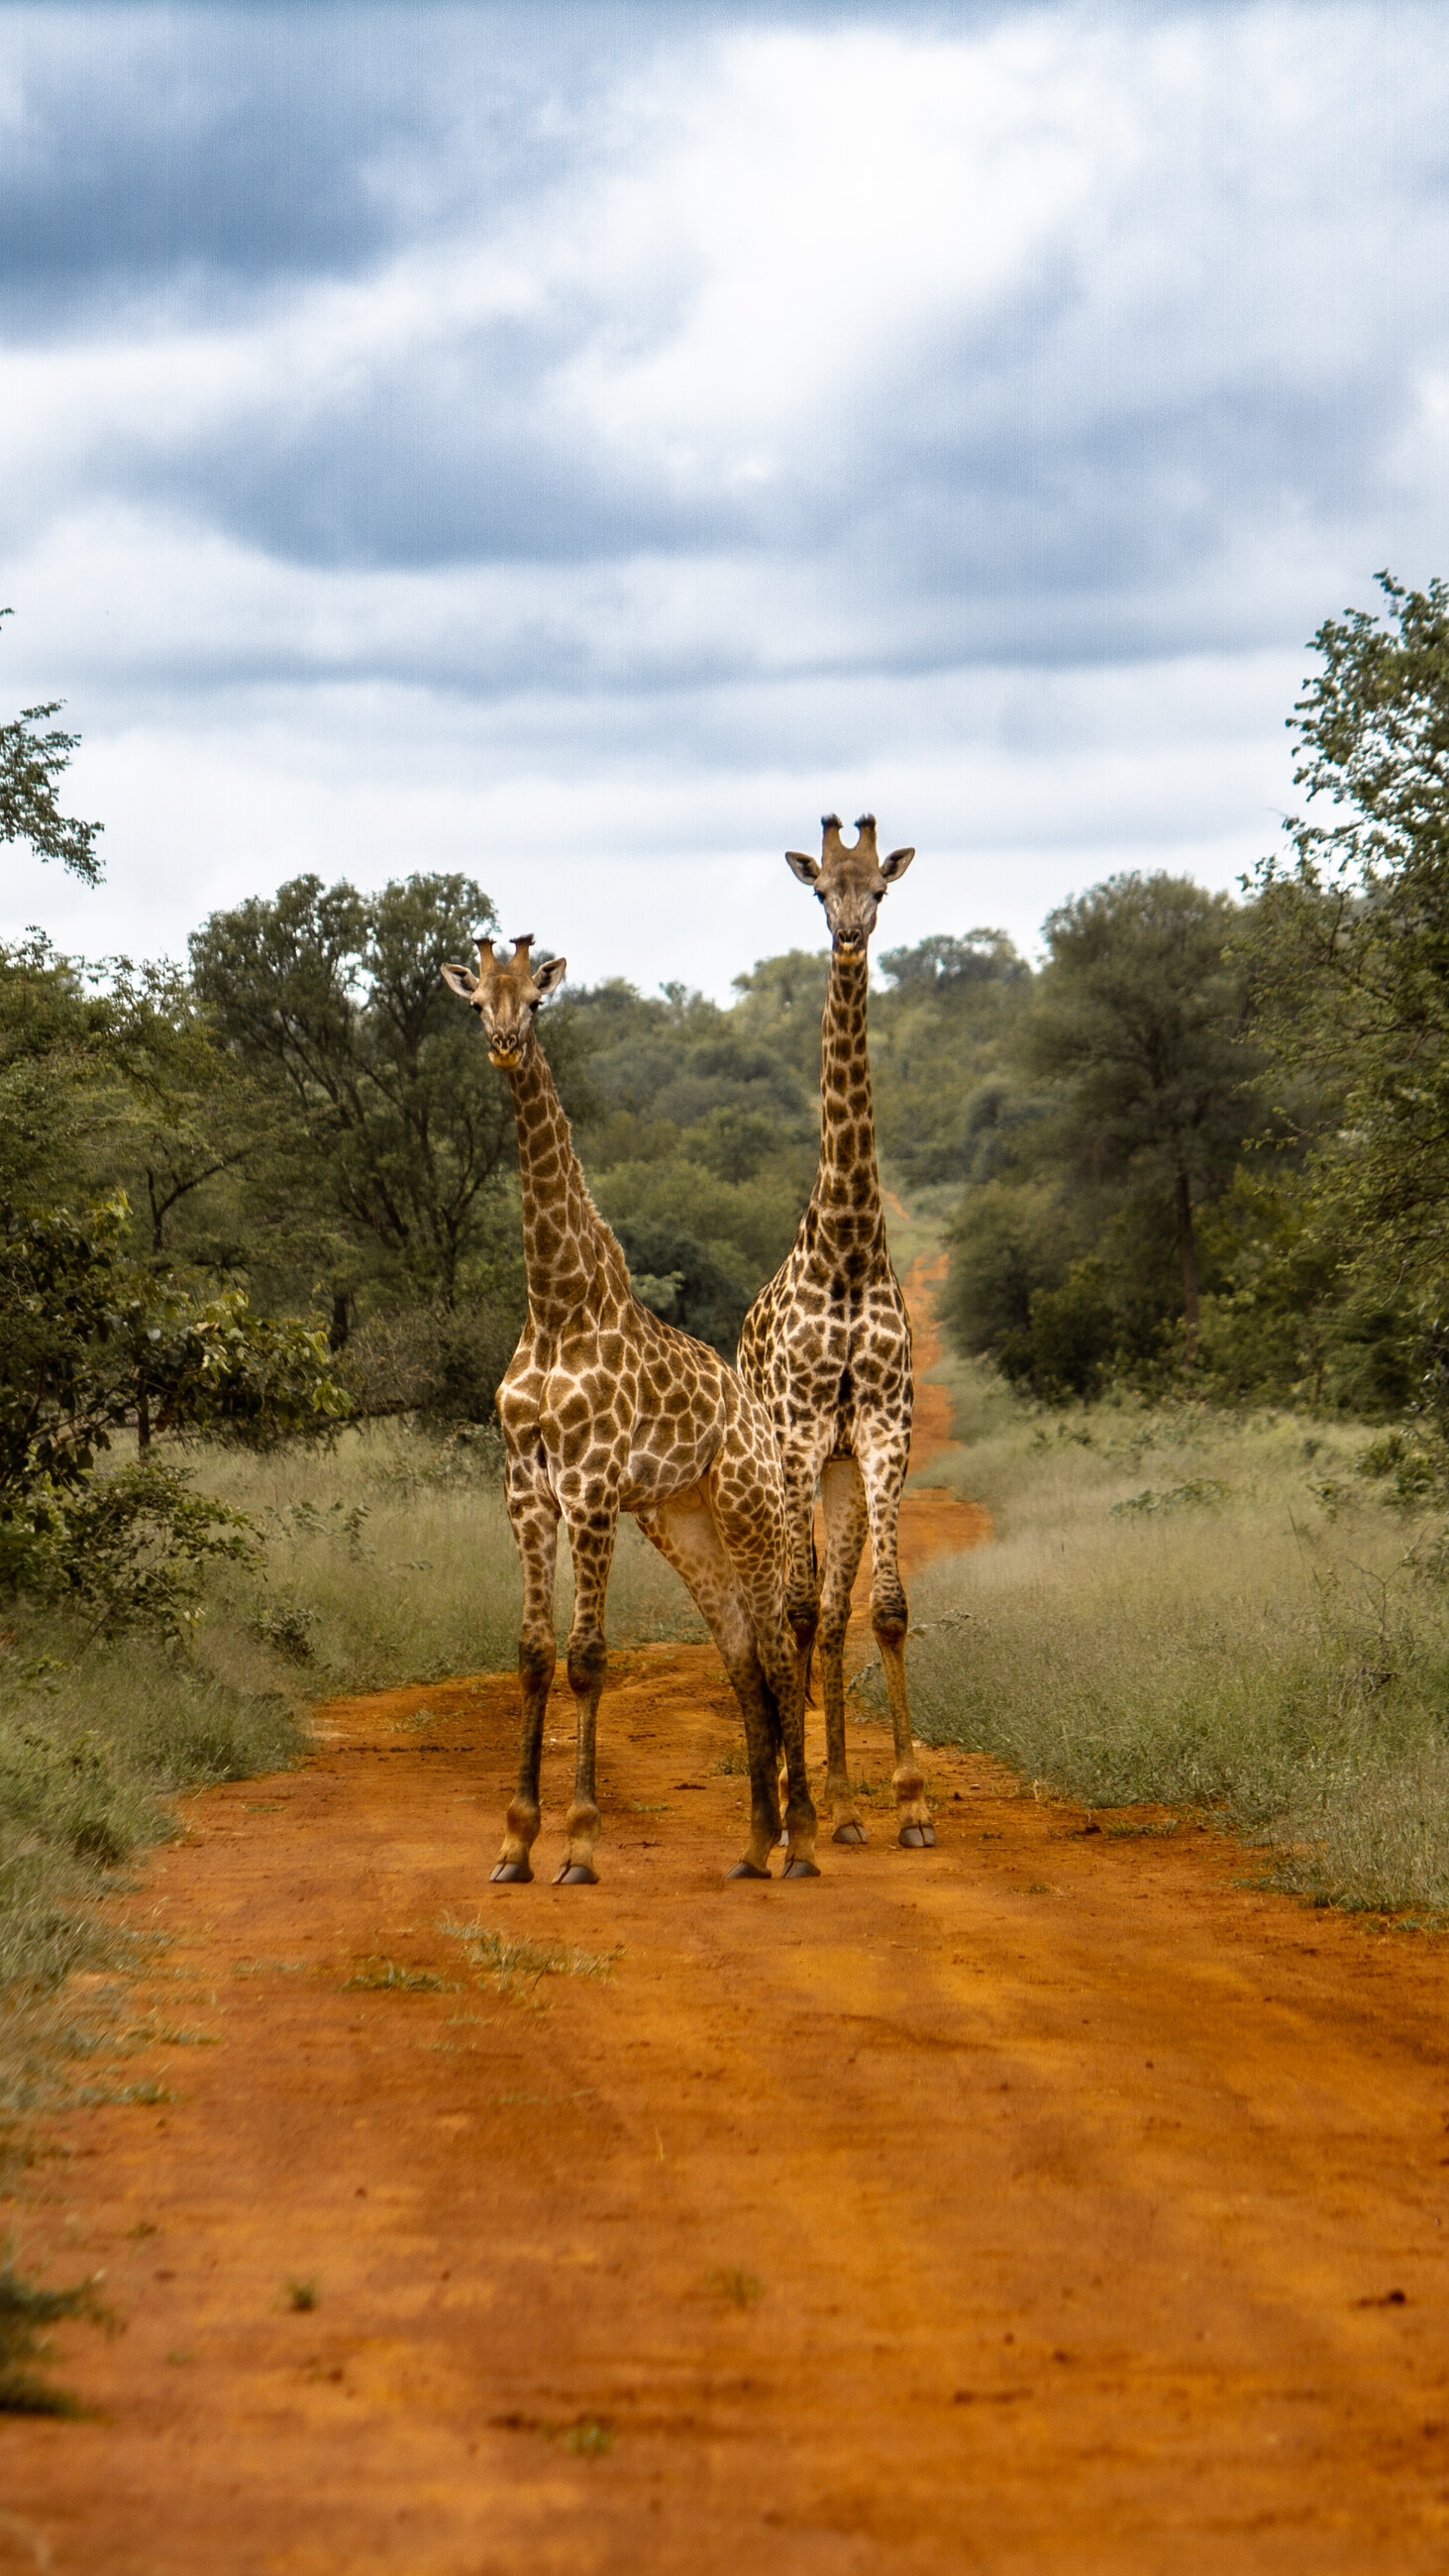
column 1049, row 2201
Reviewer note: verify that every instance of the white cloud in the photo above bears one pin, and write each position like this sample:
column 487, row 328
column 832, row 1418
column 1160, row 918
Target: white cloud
column 627, row 449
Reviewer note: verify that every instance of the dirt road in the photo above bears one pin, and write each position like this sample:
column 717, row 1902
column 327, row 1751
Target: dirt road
column 1052, row 2200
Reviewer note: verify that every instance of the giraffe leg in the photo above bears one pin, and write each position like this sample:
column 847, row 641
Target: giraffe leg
column 534, row 1518
column 684, row 1532
column 883, row 1467
column 843, row 1497
column 802, row 1576
column 591, row 1542
column 754, row 1540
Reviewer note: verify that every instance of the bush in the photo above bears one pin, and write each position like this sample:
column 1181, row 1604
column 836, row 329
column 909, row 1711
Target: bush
column 125, row 1548
column 441, row 1363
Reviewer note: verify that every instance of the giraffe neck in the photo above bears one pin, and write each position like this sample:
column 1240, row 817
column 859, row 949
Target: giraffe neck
column 563, row 1234
column 847, row 1197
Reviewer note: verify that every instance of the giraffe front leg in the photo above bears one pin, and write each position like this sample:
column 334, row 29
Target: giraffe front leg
column 591, row 1540
column 884, row 1473
column 843, row 1498
column 535, row 1531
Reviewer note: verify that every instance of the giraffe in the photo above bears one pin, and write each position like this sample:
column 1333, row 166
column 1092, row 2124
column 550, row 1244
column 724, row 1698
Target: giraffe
column 606, row 1408
column 827, row 1346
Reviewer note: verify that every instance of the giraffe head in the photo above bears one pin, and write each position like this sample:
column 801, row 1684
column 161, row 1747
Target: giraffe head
column 851, row 883
column 506, row 993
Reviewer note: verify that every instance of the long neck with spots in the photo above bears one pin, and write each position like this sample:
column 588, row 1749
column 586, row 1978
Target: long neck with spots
column 847, row 1197
column 561, row 1227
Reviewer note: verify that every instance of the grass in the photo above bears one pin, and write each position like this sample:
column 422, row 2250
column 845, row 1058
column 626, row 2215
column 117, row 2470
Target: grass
column 1202, row 1612
column 384, row 1976
column 512, row 1963
column 24, row 2310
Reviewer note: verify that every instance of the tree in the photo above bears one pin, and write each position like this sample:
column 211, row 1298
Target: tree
column 940, row 1038
column 89, row 1342
column 402, row 1132
column 194, row 1113
column 1139, row 1019
column 59, row 1103
column 1349, row 953
column 30, row 764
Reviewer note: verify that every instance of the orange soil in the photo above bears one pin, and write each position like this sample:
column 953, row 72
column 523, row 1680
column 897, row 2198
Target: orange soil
column 1093, row 2199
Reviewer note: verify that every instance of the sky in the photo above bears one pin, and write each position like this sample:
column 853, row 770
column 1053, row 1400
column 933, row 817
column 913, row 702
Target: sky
column 581, row 445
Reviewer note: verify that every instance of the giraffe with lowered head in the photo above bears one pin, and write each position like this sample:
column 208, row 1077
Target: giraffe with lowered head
column 605, row 1408
column 827, row 1346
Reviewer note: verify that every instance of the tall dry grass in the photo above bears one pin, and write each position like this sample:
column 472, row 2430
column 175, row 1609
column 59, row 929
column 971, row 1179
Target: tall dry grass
column 1202, row 1612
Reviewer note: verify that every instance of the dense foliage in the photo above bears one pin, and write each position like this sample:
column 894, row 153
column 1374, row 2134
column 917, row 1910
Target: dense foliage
column 1204, row 1142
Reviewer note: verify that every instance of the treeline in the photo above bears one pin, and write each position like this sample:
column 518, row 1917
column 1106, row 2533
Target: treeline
column 1214, row 1148
column 304, row 1118
column 1204, row 1142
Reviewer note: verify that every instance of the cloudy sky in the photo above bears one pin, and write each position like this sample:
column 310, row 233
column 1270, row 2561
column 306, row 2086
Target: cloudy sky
column 581, row 444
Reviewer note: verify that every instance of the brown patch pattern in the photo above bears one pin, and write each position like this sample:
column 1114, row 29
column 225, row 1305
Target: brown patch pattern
column 606, row 1408
column 827, row 1346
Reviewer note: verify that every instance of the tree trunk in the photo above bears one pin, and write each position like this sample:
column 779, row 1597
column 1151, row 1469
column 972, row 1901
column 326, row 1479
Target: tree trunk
column 1188, row 1250
column 341, row 1319
column 143, row 1424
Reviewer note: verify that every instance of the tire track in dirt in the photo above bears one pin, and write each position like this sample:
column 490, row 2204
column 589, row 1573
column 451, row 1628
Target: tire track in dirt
column 1078, row 2182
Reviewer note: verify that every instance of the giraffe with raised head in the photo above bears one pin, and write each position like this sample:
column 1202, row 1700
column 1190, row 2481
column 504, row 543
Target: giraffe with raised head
column 606, row 1408
column 827, row 1346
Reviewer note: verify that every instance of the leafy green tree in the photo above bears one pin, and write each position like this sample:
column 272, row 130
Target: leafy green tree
column 699, row 1139
column 1349, row 953
column 947, row 1101
column 194, row 1114
column 31, row 763
column 89, row 1342
column 402, row 1137
column 59, row 1102
column 1138, row 1020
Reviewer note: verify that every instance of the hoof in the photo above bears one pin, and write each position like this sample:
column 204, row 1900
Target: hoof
column 799, row 1869
column 576, row 1873
column 851, row 1833
column 506, row 1872
column 917, row 1837
column 747, row 1869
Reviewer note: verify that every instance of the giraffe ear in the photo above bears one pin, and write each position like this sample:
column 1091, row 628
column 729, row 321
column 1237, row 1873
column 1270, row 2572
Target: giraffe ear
column 897, row 864
column 550, row 974
column 807, row 870
column 460, row 981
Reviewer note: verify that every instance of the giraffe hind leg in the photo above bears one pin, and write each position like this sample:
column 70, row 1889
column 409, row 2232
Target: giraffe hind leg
column 843, row 1499
column 884, row 1472
column 683, row 1530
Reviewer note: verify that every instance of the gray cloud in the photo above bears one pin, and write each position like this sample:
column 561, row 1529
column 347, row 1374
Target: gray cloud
column 637, row 397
